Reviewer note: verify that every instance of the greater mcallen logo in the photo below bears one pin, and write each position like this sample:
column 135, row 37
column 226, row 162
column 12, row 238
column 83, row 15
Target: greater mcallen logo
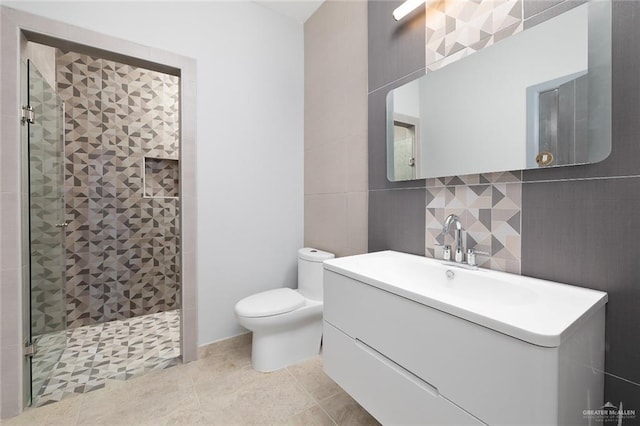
column 610, row 413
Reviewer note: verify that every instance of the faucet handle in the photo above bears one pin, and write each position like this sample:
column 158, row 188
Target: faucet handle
column 471, row 256
column 446, row 250
column 446, row 253
column 473, row 250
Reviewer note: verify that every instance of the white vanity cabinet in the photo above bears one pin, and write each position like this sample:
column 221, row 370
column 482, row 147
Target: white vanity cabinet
column 407, row 362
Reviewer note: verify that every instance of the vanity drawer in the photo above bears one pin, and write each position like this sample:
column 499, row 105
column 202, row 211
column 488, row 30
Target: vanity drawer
column 498, row 379
column 390, row 393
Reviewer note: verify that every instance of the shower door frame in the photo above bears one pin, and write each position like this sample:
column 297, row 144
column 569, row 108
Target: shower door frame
column 17, row 28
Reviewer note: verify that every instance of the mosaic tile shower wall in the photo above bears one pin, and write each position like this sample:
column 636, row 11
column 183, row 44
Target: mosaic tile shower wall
column 122, row 247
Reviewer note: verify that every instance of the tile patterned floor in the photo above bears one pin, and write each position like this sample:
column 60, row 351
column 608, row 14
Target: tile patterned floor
column 116, row 350
column 220, row 388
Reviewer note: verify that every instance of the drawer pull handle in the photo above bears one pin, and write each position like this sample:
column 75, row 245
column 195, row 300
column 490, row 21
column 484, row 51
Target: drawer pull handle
column 398, row 368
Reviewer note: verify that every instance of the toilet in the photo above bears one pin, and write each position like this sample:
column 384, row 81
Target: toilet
column 287, row 323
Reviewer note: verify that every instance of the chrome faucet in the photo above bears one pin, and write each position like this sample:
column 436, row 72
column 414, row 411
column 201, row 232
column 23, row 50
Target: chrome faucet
column 454, row 219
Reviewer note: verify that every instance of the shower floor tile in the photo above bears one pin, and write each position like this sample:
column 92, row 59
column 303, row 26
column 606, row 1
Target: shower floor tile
column 116, row 350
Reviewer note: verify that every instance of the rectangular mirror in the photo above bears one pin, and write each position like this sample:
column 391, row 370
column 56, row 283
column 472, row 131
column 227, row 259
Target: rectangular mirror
column 539, row 98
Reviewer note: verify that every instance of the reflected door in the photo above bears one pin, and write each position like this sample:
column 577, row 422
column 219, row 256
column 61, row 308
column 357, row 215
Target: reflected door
column 404, row 158
column 47, row 227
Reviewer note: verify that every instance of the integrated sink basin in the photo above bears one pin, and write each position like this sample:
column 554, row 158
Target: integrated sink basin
column 418, row 341
column 536, row 311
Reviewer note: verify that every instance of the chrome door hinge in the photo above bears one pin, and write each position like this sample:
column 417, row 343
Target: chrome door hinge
column 31, row 349
column 27, row 115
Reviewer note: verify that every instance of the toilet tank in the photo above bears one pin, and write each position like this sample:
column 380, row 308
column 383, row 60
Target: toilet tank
column 310, row 271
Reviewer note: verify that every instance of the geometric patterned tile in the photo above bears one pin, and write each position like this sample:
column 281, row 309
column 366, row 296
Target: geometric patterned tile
column 161, row 177
column 118, row 245
column 490, row 215
column 495, row 177
column 116, row 350
column 455, row 29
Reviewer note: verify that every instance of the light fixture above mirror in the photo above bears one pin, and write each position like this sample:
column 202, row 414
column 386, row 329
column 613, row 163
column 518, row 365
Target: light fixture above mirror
column 406, row 8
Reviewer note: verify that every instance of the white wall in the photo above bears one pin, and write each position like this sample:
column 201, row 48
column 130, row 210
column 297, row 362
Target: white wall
column 249, row 136
column 406, row 99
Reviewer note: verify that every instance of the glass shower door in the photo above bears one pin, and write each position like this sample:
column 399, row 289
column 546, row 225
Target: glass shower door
column 47, row 227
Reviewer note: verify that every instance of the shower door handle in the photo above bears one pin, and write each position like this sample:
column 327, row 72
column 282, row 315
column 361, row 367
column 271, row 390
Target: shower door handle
column 62, row 225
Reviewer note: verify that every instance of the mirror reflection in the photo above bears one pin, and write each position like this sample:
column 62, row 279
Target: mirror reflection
column 540, row 98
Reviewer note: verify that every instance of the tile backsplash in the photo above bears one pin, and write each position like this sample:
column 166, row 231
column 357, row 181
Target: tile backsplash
column 489, row 206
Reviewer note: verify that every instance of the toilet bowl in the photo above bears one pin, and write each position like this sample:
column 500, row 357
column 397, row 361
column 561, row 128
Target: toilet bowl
column 286, row 323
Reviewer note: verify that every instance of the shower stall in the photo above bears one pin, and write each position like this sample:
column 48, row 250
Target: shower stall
column 103, row 177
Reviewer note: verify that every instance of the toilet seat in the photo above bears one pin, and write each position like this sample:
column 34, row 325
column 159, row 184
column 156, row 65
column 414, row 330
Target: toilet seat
column 270, row 303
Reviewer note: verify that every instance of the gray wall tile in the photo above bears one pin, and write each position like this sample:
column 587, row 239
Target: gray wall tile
column 396, row 56
column 534, row 7
column 619, row 390
column 584, row 233
column 397, row 220
column 396, row 48
column 536, row 12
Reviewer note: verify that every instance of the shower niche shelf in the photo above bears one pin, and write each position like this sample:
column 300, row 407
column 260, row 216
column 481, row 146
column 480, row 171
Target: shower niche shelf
column 161, row 177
